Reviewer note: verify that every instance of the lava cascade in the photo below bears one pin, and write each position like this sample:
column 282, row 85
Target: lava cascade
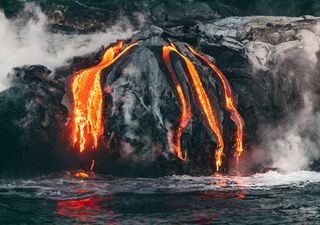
column 87, row 125
column 229, row 102
column 204, row 102
column 87, row 121
column 185, row 109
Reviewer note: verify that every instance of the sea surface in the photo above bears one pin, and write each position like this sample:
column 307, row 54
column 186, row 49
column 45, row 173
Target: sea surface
column 269, row 198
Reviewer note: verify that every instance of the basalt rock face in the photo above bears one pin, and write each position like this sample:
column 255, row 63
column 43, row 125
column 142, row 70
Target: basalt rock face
column 31, row 119
column 86, row 16
column 267, row 61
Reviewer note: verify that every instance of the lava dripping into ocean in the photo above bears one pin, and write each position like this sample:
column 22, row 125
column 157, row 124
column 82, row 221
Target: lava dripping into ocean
column 87, row 96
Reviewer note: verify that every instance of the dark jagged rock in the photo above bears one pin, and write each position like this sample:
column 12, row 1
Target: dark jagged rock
column 88, row 16
column 261, row 57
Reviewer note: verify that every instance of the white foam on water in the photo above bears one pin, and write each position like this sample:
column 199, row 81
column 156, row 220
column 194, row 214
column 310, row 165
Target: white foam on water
column 66, row 186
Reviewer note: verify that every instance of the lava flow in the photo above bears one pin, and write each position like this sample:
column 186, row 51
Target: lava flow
column 229, row 103
column 204, row 104
column 81, row 175
column 87, row 125
column 92, row 165
column 185, row 109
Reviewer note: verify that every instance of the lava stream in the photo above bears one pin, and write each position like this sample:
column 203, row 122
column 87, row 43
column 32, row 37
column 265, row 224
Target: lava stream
column 87, row 125
column 185, row 109
column 229, row 103
column 92, row 165
column 82, row 175
column 204, row 104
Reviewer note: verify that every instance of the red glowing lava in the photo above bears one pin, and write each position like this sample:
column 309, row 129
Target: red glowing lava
column 87, row 95
column 229, row 103
column 92, row 165
column 87, row 121
column 204, row 102
column 185, row 109
column 81, row 175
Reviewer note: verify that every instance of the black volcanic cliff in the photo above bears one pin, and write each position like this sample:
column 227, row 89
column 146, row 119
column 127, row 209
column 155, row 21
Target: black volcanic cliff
column 265, row 59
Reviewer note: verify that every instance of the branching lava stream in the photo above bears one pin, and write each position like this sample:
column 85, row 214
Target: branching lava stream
column 87, row 125
column 204, row 104
column 229, row 103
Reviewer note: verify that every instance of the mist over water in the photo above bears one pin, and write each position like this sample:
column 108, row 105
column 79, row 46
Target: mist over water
column 293, row 145
column 177, row 199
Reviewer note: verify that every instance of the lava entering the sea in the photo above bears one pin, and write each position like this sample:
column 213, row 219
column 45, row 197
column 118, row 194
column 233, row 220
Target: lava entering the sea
column 204, row 103
column 87, row 125
column 87, row 121
column 229, row 103
column 185, row 109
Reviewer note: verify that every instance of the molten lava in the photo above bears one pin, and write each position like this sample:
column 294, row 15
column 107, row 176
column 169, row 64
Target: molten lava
column 204, row 104
column 87, row 124
column 81, row 175
column 229, row 103
column 87, row 120
column 92, row 165
column 185, row 109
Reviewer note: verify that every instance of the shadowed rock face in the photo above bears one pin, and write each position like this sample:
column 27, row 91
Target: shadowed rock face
column 89, row 15
column 266, row 60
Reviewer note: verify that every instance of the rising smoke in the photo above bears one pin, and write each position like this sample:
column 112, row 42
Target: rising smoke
column 294, row 144
column 27, row 40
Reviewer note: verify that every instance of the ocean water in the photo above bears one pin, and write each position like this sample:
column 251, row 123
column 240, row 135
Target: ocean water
column 269, row 198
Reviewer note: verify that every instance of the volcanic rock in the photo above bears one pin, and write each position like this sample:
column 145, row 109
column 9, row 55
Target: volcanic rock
column 262, row 58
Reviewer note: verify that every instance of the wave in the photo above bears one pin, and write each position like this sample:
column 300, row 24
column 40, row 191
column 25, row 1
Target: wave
column 66, row 186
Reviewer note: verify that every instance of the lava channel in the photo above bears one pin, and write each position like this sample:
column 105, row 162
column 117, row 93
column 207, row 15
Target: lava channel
column 185, row 109
column 204, row 104
column 229, row 103
column 87, row 121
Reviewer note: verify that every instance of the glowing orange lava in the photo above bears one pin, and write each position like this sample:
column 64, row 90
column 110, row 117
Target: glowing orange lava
column 229, row 103
column 185, row 109
column 204, row 104
column 92, row 165
column 87, row 125
column 81, row 175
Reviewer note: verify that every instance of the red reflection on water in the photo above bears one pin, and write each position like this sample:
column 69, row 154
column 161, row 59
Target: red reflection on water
column 85, row 210
column 230, row 193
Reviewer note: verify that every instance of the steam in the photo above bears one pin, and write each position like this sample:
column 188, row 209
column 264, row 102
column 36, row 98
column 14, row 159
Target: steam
column 295, row 144
column 170, row 135
column 132, row 108
column 26, row 40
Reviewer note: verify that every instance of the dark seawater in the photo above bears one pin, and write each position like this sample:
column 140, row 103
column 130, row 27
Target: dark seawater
column 269, row 198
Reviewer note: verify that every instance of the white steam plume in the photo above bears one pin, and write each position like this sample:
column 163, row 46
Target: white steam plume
column 295, row 144
column 29, row 42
